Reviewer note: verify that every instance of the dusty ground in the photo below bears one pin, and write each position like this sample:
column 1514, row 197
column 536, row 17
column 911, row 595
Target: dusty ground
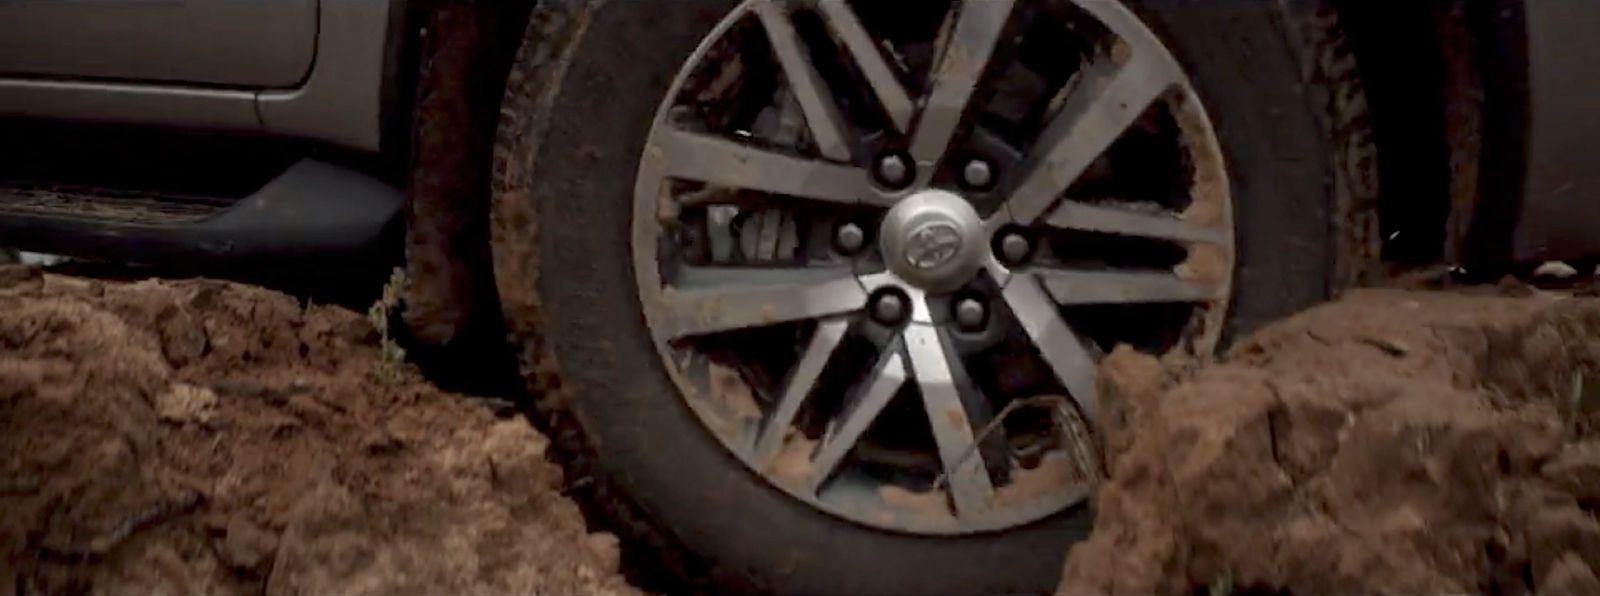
column 211, row 437
column 1394, row 442
column 204, row 437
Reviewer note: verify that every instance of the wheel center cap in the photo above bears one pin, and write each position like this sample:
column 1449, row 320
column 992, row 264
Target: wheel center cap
column 933, row 239
column 933, row 244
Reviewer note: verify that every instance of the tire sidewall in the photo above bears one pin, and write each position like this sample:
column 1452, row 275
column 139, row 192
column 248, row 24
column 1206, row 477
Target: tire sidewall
column 1246, row 71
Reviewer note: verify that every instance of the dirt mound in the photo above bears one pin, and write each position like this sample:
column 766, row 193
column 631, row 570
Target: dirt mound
column 204, row 437
column 1393, row 442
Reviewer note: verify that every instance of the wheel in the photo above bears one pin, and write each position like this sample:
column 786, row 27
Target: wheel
column 820, row 286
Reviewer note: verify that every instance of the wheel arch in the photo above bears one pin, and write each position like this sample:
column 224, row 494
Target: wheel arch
column 1447, row 88
column 459, row 55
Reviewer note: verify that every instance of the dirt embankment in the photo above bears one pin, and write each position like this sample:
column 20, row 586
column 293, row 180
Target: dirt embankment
column 1393, row 442
column 204, row 437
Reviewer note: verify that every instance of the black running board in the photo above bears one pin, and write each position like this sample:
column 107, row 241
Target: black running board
column 315, row 215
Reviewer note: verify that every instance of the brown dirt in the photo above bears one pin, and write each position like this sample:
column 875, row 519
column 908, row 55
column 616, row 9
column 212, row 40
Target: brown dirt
column 205, row 437
column 1394, row 442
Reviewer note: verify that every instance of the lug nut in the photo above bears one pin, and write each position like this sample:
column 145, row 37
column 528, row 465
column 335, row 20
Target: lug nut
column 889, row 308
column 977, row 174
column 894, row 171
column 1014, row 248
column 849, row 238
column 970, row 314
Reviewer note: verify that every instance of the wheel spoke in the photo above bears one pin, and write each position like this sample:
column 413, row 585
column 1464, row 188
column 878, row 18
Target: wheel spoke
column 798, row 386
column 1072, row 215
column 701, row 311
column 860, row 411
column 932, row 364
column 696, row 277
column 721, row 162
column 891, row 94
column 1095, row 113
column 827, row 125
column 1056, row 342
column 961, row 64
column 1122, row 287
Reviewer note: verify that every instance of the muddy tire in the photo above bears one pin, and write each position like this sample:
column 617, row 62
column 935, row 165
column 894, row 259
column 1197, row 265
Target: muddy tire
column 579, row 104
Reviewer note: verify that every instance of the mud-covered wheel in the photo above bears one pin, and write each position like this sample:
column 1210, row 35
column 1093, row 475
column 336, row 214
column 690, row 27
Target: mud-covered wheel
column 820, row 284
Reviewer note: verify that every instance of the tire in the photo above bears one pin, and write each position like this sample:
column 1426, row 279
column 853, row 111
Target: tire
column 580, row 101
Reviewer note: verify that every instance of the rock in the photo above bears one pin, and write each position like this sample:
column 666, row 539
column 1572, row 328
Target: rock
column 246, row 546
column 186, row 403
column 183, row 338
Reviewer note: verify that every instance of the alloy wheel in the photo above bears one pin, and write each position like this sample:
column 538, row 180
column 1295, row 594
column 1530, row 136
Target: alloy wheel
column 880, row 246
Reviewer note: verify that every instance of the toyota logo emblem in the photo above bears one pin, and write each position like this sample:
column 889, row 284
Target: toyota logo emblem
column 933, row 244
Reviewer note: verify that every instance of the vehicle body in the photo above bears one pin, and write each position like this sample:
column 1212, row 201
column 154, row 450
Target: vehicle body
column 305, row 134
column 310, row 70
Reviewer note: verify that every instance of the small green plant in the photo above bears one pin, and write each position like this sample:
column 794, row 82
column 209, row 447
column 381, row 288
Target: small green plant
column 393, row 356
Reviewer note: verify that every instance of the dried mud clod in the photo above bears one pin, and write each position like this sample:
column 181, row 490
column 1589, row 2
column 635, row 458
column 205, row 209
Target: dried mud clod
column 1394, row 442
column 204, row 437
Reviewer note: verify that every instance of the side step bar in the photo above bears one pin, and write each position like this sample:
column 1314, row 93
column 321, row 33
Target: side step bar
column 314, row 216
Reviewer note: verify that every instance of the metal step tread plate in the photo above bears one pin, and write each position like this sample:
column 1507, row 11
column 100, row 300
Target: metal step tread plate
column 107, row 205
column 313, row 214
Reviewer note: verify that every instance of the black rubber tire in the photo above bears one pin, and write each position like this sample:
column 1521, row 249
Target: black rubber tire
column 578, row 107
